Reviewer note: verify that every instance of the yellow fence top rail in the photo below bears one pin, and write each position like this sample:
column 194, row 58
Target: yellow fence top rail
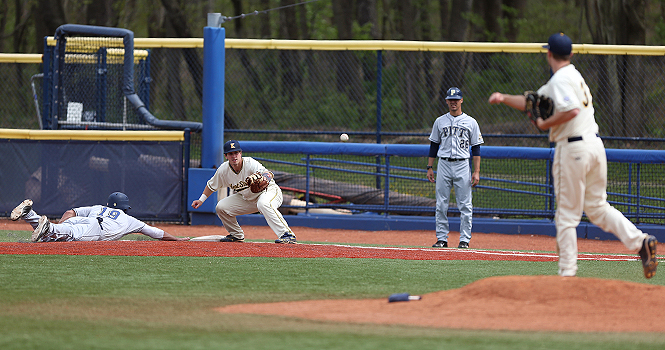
column 20, row 58
column 92, row 135
column 359, row 45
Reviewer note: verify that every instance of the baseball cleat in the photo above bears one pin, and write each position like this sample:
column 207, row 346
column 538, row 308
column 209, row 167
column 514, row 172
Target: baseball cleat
column 440, row 244
column 229, row 238
column 287, row 238
column 21, row 210
column 567, row 272
column 463, row 245
column 648, row 255
column 42, row 229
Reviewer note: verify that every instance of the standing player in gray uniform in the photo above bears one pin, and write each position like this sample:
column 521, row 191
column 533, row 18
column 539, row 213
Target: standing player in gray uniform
column 233, row 173
column 580, row 164
column 108, row 222
column 455, row 138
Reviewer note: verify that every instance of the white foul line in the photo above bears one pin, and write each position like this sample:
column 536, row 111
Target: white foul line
column 514, row 253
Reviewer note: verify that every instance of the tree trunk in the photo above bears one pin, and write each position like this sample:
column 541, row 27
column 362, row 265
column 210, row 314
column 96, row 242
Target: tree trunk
column 445, row 19
column 177, row 18
column 238, row 24
column 512, row 16
column 348, row 67
column 410, row 82
column 100, row 13
column 48, row 16
column 4, row 11
column 254, row 78
column 367, row 14
column 634, row 94
column 491, row 16
column 174, row 86
column 426, row 56
column 291, row 79
column 265, row 30
column 489, row 31
column 620, row 22
column 607, row 100
column 453, row 74
column 21, row 15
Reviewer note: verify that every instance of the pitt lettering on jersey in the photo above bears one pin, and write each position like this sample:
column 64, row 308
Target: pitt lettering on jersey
column 456, row 130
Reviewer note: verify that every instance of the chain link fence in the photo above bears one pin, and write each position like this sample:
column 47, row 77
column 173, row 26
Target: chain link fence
column 383, row 95
column 379, row 95
column 17, row 109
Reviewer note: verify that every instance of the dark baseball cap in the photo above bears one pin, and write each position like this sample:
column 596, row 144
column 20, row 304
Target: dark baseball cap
column 454, row 93
column 232, row 146
column 559, row 44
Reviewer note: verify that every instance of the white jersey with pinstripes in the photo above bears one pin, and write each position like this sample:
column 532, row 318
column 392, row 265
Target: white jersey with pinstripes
column 568, row 91
column 455, row 135
column 225, row 176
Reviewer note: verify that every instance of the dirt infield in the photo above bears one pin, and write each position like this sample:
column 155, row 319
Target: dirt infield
column 548, row 303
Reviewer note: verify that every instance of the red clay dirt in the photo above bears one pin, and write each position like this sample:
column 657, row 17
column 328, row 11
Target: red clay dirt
column 528, row 303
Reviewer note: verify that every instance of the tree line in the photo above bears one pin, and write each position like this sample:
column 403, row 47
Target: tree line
column 24, row 23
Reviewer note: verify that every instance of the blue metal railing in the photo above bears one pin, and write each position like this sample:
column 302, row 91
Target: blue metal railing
column 639, row 207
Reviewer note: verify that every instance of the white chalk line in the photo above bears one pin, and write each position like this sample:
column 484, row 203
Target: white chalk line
column 507, row 253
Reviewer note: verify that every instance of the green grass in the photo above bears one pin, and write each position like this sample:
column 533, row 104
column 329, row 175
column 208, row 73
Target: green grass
column 129, row 302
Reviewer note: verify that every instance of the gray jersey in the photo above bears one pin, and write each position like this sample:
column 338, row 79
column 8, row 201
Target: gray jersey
column 456, row 135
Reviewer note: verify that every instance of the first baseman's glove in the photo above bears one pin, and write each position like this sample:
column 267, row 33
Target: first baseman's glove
column 538, row 106
column 257, row 182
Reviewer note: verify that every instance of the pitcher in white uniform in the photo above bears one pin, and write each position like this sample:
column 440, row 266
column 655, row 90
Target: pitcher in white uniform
column 108, row 222
column 233, row 174
column 580, row 164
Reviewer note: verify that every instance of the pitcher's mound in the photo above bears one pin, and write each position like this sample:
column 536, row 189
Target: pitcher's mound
column 547, row 303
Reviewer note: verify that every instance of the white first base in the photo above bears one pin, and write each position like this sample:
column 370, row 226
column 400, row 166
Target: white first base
column 213, row 238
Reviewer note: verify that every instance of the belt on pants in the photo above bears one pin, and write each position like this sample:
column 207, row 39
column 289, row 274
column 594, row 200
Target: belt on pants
column 454, row 159
column 99, row 220
column 577, row 138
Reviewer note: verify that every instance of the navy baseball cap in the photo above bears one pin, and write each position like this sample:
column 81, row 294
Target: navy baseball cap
column 559, row 44
column 454, row 93
column 232, row 146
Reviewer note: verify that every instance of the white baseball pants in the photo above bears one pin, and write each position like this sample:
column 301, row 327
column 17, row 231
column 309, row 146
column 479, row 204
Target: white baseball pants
column 267, row 204
column 77, row 228
column 580, row 184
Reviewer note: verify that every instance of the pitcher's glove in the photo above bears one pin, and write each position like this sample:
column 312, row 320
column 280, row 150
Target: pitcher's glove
column 257, row 182
column 538, row 106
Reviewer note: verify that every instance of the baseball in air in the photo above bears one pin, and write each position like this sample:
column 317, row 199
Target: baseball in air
column 344, row 137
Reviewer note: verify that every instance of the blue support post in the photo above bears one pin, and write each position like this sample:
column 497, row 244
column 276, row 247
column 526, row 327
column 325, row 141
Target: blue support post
column 56, row 105
column 379, row 82
column 101, row 85
column 212, row 135
column 639, row 192
column 386, row 197
column 46, row 85
column 307, row 170
column 630, row 187
column 185, row 177
column 145, row 80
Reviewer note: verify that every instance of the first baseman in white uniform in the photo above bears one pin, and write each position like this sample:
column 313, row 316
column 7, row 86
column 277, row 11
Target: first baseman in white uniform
column 454, row 139
column 108, row 222
column 233, row 173
column 580, row 164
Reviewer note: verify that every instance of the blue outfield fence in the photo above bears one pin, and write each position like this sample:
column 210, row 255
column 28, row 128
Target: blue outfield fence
column 63, row 169
column 389, row 179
